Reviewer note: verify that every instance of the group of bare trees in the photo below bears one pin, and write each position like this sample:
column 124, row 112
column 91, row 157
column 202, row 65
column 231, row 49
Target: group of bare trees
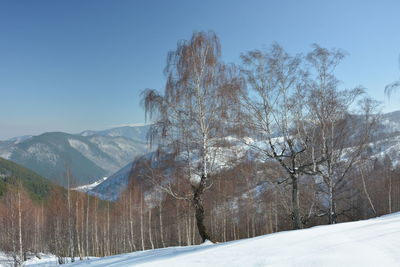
column 288, row 109
column 246, row 200
column 270, row 145
column 21, row 224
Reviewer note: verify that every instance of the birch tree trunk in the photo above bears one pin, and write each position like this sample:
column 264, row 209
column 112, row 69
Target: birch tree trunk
column 199, row 210
column 178, row 225
column 366, row 192
column 70, row 233
column 150, row 232
column 161, row 224
column 390, row 194
column 132, row 241
column 141, row 222
column 332, row 209
column 87, row 225
column 295, row 203
column 96, row 237
column 21, row 255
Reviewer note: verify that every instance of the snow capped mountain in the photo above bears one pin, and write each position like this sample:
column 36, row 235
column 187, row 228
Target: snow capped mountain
column 122, row 148
column 391, row 121
column 91, row 155
column 137, row 133
column 387, row 144
column 19, row 139
column 88, row 155
column 10, row 142
column 387, row 147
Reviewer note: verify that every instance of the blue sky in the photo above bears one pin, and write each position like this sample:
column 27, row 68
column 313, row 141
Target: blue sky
column 76, row 65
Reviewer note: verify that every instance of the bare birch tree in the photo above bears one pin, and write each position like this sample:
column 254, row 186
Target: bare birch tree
column 275, row 114
column 71, row 247
column 193, row 111
column 343, row 135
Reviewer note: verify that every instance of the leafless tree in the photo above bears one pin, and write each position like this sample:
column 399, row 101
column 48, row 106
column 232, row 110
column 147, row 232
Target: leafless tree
column 71, row 247
column 193, row 111
column 342, row 134
column 275, row 109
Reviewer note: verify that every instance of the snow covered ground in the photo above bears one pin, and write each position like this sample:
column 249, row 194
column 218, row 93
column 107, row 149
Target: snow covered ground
column 373, row 242
column 88, row 187
column 5, row 260
column 48, row 261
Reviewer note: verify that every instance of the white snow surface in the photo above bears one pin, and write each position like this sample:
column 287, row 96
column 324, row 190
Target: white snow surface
column 5, row 260
column 85, row 150
column 371, row 242
column 88, row 187
column 47, row 260
column 42, row 152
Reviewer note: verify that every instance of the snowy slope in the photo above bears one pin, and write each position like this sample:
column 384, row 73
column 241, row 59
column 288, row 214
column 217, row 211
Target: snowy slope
column 138, row 132
column 386, row 147
column 387, row 143
column 5, row 260
column 371, row 242
column 87, row 187
column 227, row 157
column 111, row 188
column 391, row 121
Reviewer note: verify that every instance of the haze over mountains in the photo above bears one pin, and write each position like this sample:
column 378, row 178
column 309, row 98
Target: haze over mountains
column 89, row 155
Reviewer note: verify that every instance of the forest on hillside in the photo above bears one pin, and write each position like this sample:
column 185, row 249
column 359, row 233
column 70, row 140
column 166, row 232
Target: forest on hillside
column 269, row 145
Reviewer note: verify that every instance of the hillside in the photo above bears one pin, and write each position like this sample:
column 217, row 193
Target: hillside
column 138, row 133
column 371, row 242
column 89, row 156
column 37, row 186
column 385, row 143
column 111, row 188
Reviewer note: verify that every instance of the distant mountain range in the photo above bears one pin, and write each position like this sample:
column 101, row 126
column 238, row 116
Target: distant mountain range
column 88, row 155
column 387, row 142
column 92, row 155
column 137, row 133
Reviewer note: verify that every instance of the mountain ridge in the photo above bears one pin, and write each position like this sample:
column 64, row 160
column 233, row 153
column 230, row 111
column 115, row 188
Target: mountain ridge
column 88, row 156
column 386, row 142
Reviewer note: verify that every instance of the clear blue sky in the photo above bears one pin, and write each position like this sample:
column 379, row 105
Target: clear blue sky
column 76, row 65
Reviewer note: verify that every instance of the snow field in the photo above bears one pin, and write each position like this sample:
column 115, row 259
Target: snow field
column 373, row 242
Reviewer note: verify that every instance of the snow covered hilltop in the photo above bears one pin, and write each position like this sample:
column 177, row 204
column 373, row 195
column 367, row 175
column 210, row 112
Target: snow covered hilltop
column 372, row 242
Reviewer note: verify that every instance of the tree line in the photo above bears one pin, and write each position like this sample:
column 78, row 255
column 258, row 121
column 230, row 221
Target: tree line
column 245, row 201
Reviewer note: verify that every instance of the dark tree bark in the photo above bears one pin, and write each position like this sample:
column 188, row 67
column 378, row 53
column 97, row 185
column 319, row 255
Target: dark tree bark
column 199, row 209
column 297, row 224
